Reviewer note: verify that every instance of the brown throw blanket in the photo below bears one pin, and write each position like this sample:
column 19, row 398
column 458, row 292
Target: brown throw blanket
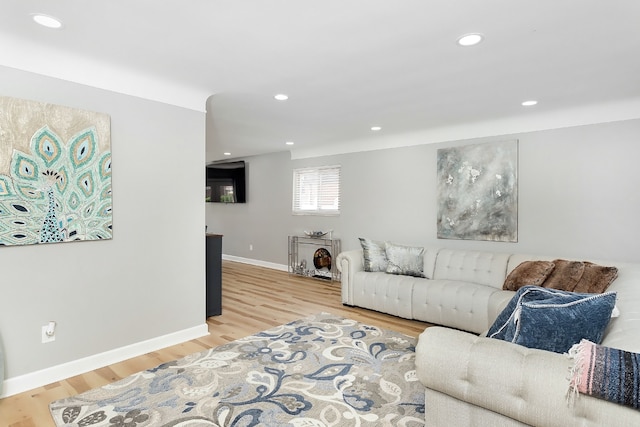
column 580, row 276
column 562, row 274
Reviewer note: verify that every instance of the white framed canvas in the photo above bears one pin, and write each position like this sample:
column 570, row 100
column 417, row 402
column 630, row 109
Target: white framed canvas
column 478, row 192
column 55, row 173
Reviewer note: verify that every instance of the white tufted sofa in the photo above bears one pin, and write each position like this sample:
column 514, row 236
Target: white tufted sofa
column 465, row 290
column 475, row 381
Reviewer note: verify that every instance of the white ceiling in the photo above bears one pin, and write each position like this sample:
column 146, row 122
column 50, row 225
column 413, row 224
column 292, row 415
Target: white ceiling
column 346, row 64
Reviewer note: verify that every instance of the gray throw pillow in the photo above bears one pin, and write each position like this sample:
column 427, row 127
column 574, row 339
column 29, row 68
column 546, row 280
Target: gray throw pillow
column 405, row 260
column 375, row 256
column 553, row 320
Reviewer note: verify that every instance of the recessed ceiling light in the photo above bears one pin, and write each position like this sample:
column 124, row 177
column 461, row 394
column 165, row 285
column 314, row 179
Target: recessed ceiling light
column 470, row 39
column 227, row 154
column 281, row 97
column 375, row 128
column 47, row 21
column 289, row 142
column 529, row 103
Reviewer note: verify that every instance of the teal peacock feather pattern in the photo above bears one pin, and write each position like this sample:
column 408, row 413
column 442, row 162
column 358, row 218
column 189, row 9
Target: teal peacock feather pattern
column 58, row 192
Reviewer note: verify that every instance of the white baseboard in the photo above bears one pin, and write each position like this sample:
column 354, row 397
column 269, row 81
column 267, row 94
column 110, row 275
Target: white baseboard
column 257, row 262
column 22, row 383
column 50, row 375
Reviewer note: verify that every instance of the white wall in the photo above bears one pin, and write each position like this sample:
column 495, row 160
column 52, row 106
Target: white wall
column 577, row 197
column 140, row 290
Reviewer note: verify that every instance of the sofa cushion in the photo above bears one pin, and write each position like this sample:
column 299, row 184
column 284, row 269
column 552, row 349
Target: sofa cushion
column 553, row 320
column 384, row 292
column 528, row 273
column 458, row 304
column 375, row 256
column 405, row 260
column 484, row 268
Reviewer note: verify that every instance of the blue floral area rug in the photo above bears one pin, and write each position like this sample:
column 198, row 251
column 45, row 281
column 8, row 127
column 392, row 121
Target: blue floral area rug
column 322, row 370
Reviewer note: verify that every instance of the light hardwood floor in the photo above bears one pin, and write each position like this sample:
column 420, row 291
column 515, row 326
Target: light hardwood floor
column 253, row 299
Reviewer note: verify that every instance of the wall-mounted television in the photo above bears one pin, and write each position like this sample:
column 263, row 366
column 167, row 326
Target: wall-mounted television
column 225, row 182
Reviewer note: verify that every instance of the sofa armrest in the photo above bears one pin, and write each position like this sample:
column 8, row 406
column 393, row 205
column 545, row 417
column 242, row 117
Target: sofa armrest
column 497, row 302
column 524, row 384
column 349, row 263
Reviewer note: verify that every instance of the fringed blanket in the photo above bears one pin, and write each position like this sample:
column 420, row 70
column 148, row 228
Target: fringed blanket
column 606, row 373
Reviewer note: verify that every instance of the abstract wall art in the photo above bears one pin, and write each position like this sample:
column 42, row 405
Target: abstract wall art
column 55, row 173
column 478, row 192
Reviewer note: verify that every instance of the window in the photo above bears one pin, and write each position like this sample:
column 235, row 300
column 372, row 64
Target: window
column 316, row 191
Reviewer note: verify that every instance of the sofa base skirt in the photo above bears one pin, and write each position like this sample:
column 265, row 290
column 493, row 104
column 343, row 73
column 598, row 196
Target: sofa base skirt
column 442, row 410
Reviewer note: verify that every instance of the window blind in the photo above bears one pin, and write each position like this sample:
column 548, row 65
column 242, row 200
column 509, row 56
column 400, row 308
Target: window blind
column 316, row 191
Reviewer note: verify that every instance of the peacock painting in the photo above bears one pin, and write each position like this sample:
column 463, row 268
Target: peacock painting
column 55, row 173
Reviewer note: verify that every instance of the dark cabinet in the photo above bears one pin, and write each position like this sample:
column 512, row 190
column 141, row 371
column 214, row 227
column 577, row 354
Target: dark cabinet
column 214, row 275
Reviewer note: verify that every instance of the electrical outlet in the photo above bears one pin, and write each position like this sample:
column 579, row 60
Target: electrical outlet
column 250, row 247
column 49, row 332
